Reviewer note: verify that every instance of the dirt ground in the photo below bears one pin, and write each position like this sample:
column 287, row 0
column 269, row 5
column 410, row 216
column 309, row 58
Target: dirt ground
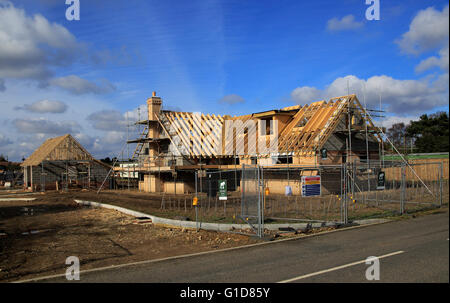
column 37, row 236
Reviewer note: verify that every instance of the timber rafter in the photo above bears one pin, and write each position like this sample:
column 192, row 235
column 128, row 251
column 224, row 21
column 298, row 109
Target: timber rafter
column 306, row 131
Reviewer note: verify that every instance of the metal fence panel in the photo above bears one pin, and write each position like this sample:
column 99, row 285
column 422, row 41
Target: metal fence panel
column 407, row 188
column 251, row 197
column 349, row 192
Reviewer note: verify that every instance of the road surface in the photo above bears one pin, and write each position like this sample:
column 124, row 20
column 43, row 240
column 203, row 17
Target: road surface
column 414, row 250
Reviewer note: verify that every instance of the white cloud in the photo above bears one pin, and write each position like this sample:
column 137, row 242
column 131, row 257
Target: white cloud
column 4, row 140
column 114, row 137
column 108, row 120
column 110, row 144
column 79, row 86
column 346, row 23
column 305, row 94
column 391, row 120
column 113, row 127
column 30, row 46
column 85, row 140
column 45, row 126
column 428, row 30
column 44, row 106
column 33, row 48
column 399, row 96
column 25, row 145
column 433, row 61
column 139, row 113
column 232, row 99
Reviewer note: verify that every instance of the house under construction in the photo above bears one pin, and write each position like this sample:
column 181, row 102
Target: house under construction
column 173, row 145
column 60, row 163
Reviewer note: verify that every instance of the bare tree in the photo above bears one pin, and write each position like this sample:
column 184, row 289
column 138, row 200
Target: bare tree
column 397, row 134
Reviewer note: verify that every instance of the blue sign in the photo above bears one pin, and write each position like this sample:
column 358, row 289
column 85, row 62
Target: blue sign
column 311, row 186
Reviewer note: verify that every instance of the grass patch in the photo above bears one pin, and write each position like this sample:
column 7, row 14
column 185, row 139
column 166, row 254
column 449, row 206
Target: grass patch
column 415, row 157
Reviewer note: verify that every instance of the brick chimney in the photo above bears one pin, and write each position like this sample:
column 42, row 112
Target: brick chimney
column 153, row 106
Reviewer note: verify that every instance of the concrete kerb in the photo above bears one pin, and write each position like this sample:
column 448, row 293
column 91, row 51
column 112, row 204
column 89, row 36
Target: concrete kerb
column 17, row 199
column 15, row 193
column 217, row 226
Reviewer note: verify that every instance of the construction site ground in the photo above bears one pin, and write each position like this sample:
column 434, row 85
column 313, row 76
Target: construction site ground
column 37, row 236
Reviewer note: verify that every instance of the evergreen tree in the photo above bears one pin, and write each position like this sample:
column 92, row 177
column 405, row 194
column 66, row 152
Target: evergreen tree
column 430, row 133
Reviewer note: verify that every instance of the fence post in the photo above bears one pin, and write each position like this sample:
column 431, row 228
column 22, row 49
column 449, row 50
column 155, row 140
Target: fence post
column 346, row 195
column 242, row 189
column 403, row 190
column 262, row 201
column 342, row 192
column 196, row 206
column 353, row 178
column 209, row 191
column 42, row 178
column 441, row 176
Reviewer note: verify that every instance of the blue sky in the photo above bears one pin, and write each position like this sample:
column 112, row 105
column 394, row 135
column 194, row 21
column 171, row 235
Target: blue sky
column 227, row 57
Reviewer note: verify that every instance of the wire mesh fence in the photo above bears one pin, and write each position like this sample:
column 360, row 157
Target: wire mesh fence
column 406, row 188
column 348, row 192
column 286, row 199
column 211, row 204
column 252, row 183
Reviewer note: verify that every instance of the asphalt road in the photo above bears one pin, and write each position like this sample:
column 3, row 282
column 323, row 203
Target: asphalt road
column 415, row 250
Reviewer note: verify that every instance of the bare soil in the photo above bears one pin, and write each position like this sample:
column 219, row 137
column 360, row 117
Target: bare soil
column 37, row 236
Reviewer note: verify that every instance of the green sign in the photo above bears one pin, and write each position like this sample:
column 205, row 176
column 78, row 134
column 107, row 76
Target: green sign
column 222, row 189
column 324, row 153
column 381, row 180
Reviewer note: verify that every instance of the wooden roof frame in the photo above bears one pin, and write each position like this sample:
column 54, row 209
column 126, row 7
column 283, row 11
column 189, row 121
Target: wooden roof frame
column 43, row 152
column 322, row 119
